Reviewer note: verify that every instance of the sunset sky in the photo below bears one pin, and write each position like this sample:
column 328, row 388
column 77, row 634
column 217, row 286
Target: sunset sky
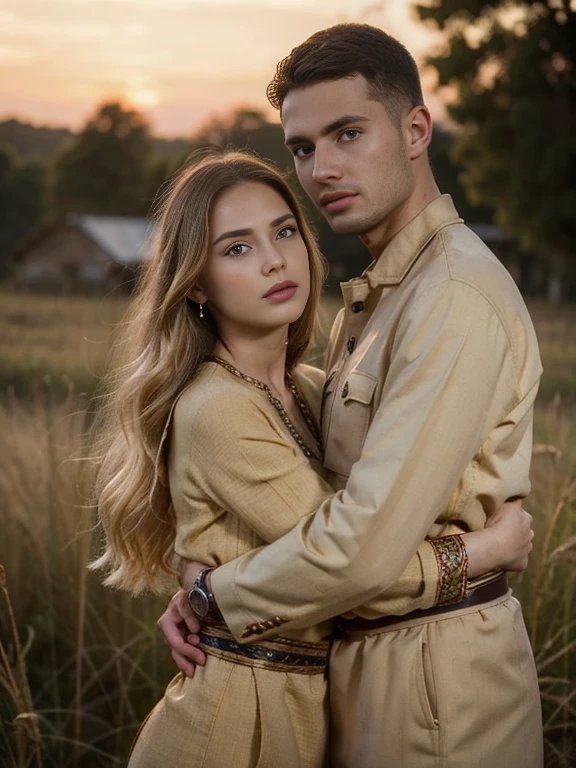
column 179, row 61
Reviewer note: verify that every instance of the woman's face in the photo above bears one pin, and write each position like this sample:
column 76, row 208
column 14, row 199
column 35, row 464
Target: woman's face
column 257, row 277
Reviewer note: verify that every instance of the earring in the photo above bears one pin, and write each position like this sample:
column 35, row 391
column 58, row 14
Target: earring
column 201, row 312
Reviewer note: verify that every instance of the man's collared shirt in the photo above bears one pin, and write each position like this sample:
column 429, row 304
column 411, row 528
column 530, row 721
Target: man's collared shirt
column 427, row 423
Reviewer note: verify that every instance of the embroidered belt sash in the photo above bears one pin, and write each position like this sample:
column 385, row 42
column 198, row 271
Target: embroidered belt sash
column 279, row 655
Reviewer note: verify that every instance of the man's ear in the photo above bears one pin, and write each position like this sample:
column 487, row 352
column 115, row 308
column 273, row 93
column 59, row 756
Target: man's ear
column 197, row 294
column 419, row 123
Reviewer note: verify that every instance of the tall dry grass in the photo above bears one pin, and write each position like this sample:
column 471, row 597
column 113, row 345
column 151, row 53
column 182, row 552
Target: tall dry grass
column 547, row 590
column 81, row 666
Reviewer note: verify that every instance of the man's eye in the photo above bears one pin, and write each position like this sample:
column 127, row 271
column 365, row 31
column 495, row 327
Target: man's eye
column 350, row 134
column 285, row 232
column 303, row 151
column 237, row 250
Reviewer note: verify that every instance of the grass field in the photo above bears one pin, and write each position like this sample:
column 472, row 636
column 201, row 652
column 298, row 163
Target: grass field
column 61, row 338
column 79, row 665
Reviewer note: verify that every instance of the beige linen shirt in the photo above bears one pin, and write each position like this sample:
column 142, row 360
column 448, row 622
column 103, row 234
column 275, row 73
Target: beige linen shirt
column 238, row 480
column 427, row 423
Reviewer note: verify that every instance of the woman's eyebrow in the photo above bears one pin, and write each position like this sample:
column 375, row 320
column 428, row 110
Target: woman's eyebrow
column 280, row 219
column 245, row 232
column 233, row 233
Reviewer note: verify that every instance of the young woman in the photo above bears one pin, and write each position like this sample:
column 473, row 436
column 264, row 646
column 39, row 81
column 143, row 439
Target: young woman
column 209, row 447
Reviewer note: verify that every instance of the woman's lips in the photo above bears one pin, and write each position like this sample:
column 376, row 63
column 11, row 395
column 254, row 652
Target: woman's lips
column 281, row 291
column 282, row 294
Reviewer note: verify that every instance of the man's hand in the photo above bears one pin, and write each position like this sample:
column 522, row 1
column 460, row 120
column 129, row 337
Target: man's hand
column 180, row 627
column 511, row 527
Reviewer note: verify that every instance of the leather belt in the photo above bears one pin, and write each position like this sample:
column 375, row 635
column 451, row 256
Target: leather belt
column 282, row 654
column 491, row 590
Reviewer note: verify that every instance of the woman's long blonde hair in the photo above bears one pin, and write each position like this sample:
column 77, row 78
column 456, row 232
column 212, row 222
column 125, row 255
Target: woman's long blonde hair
column 160, row 350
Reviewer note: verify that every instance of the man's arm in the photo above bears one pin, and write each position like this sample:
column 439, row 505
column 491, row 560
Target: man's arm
column 452, row 379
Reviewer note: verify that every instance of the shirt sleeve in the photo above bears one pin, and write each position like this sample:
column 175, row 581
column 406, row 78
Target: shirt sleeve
column 452, row 378
column 243, row 460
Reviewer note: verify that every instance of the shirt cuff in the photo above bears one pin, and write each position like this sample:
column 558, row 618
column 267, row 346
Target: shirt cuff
column 235, row 616
column 430, row 576
column 452, row 564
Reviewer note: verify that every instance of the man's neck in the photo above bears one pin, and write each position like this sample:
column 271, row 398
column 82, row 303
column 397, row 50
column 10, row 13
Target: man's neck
column 378, row 238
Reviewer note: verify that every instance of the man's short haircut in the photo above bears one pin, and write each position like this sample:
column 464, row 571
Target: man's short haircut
column 346, row 50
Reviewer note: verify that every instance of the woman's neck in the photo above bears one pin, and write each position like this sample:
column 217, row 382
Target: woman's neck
column 263, row 358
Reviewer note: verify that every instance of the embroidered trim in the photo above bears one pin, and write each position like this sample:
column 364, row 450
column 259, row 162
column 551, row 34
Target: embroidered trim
column 453, row 569
column 301, row 403
column 279, row 655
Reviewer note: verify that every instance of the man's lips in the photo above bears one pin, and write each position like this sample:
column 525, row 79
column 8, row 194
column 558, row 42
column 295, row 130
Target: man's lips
column 337, row 201
column 280, row 291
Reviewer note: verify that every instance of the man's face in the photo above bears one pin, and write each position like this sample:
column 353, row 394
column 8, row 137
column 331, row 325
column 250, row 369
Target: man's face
column 350, row 156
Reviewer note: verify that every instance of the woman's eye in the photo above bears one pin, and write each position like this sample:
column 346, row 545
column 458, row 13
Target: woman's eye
column 285, row 232
column 237, row 250
column 350, row 134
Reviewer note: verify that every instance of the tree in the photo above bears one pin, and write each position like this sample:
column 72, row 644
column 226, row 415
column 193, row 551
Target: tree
column 22, row 201
column 512, row 68
column 247, row 128
column 105, row 168
column 447, row 173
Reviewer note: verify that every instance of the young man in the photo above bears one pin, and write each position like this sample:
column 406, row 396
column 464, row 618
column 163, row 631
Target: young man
column 433, row 369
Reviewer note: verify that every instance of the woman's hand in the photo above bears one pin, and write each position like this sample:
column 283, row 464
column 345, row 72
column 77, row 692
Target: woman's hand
column 180, row 628
column 189, row 571
column 505, row 542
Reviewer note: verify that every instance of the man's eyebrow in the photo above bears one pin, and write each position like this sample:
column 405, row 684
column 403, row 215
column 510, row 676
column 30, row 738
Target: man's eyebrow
column 335, row 125
column 244, row 232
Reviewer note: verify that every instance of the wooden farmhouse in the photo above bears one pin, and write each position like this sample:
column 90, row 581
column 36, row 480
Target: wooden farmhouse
column 83, row 253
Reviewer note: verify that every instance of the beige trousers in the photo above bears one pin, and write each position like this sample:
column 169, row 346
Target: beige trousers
column 455, row 691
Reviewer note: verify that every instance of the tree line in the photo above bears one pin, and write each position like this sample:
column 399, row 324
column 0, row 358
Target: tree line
column 511, row 67
column 114, row 166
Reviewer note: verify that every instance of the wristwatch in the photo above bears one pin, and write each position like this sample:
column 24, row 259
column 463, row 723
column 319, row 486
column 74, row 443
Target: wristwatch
column 200, row 598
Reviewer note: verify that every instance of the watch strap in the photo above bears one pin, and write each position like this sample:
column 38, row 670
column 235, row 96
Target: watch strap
column 202, row 584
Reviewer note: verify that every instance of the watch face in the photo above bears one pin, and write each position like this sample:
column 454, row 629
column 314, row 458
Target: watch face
column 199, row 602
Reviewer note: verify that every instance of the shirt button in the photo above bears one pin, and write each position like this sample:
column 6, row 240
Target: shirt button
column 345, row 390
column 357, row 306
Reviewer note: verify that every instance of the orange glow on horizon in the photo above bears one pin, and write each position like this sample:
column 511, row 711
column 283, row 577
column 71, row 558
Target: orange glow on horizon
column 174, row 60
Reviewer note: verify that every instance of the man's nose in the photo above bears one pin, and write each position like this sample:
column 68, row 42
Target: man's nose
column 325, row 166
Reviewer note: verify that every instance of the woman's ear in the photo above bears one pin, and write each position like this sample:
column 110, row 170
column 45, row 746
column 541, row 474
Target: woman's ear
column 197, row 294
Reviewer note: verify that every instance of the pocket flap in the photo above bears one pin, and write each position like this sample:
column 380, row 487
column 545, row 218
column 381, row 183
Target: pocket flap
column 359, row 386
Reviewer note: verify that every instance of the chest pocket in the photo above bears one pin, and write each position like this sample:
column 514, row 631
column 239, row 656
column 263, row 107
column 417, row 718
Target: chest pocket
column 350, row 419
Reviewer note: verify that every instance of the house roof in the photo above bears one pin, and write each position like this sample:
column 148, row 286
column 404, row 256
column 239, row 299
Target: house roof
column 489, row 233
column 128, row 240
